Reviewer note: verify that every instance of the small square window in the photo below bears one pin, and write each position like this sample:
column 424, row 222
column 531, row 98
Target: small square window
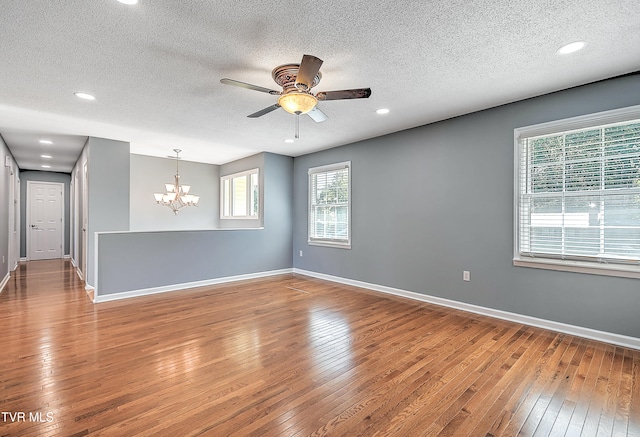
column 240, row 195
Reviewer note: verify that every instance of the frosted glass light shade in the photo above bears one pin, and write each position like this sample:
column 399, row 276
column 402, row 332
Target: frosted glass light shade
column 297, row 103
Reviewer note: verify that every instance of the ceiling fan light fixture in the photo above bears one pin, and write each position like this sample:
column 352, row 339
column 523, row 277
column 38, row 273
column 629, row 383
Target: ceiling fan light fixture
column 297, row 103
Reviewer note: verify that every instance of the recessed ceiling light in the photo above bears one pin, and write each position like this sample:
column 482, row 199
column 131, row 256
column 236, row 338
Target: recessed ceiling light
column 571, row 48
column 46, row 142
column 84, row 96
column 45, row 166
column 46, row 156
column 128, row 2
column 288, row 140
column 382, row 111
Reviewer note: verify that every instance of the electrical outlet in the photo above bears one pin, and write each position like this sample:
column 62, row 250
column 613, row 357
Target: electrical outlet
column 300, row 253
column 2, row 259
column 466, row 276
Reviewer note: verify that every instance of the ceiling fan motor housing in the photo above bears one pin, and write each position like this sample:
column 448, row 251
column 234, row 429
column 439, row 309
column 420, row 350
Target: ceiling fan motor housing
column 285, row 76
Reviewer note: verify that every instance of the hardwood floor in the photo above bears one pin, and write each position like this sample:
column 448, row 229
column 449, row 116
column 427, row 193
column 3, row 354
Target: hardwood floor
column 293, row 356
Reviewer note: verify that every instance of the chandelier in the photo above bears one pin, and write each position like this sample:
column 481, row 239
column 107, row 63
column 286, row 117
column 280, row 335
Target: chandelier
column 177, row 196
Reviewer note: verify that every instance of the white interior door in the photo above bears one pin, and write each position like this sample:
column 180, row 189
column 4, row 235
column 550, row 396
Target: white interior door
column 16, row 222
column 44, row 220
column 13, row 220
column 85, row 218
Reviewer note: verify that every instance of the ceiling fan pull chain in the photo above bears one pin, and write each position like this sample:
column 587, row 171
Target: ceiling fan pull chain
column 298, row 125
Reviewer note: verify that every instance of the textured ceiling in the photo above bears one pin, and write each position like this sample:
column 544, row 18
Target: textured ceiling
column 155, row 67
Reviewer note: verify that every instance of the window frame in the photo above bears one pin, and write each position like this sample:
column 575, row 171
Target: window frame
column 329, row 242
column 557, row 127
column 230, row 178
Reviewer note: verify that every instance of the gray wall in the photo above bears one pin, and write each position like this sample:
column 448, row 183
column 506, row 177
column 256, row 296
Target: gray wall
column 108, row 187
column 433, row 201
column 148, row 176
column 137, row 260
column 43, row 176
column 278, row 205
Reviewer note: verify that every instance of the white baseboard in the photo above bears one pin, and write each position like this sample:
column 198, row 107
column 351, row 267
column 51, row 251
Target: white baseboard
column 66, row 257
column 4, row 281
column 175, row 287
column 579, row 331
column 22, row 259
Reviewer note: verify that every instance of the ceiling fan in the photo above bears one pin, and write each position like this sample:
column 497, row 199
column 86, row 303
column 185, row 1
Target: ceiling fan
column 296, row 97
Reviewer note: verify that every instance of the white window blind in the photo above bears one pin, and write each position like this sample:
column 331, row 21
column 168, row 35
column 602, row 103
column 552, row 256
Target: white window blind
column 330, row 205
column 579, row 194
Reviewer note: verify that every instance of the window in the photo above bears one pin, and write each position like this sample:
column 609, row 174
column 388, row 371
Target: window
column 330, row 205
column 578, row 194
column 239, row 195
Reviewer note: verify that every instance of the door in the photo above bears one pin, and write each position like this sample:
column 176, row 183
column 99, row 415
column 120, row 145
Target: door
column 85, row 218
column 44, row 220
column 14, row 219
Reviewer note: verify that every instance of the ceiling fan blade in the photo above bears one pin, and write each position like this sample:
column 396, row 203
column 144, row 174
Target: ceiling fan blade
column 266, row 110
column 358, row 93
column 249, row 86
column 309, row 68
column 317, row 115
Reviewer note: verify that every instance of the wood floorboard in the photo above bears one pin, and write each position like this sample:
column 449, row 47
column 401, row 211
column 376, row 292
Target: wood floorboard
column 293, row 356
column 570, row 397
column 499, row 401
column 634, row 398
column 583, row 400
column 486, row 392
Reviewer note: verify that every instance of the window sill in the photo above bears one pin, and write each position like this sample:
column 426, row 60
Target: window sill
column 243, row 217
column 621, row 271
column 330, row 244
